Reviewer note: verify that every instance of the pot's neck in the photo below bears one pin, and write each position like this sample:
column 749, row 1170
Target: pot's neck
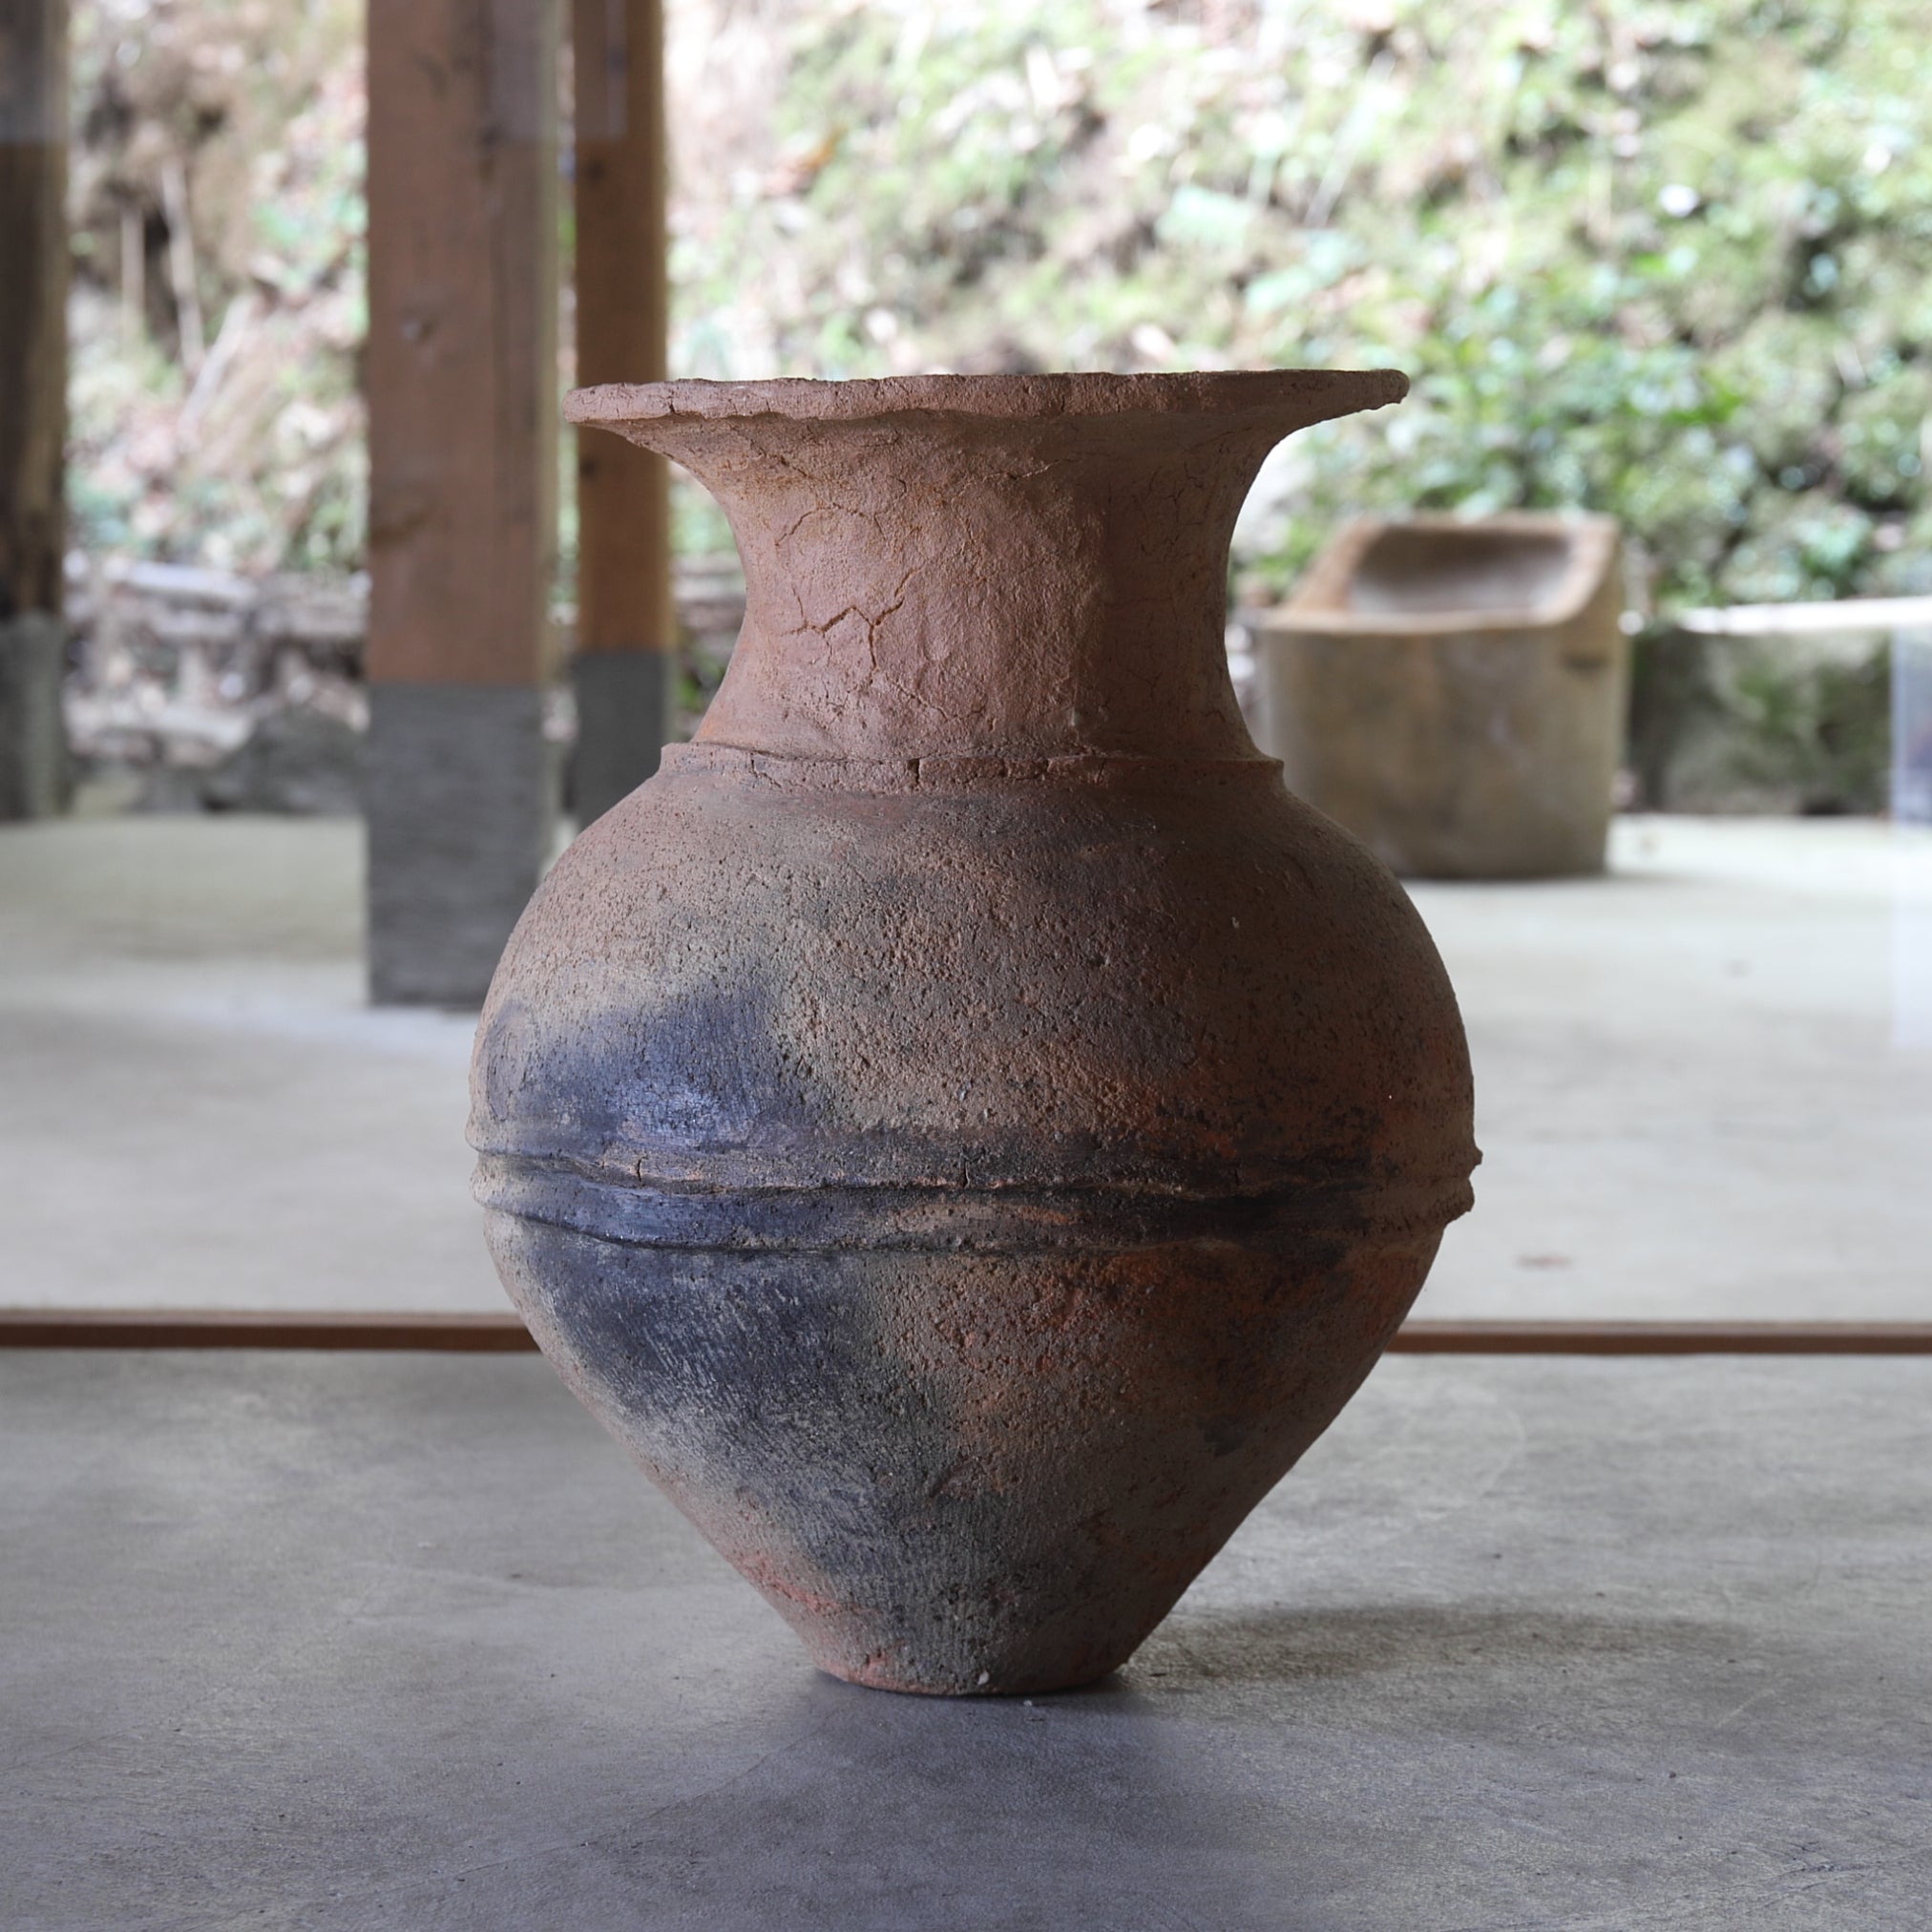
column 932, row 581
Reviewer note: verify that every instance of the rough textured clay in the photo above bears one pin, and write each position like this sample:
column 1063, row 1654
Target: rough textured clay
column 963, row 1125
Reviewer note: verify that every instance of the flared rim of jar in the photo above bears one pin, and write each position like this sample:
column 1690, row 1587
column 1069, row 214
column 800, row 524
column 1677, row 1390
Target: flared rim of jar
column 1313, row 394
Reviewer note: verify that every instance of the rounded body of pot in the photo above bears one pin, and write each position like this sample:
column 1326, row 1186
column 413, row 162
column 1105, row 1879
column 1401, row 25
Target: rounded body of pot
column 968, row 1180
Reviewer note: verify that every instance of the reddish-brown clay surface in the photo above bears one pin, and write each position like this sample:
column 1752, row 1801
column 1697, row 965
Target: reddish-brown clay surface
column 963, row 1125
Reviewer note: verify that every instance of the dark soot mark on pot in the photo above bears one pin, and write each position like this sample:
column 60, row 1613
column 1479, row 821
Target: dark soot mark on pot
column 772, row 1384
column 696, row 1070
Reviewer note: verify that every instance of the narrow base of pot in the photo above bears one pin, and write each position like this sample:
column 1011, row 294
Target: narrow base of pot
column 889, row 1674
column 949, row 1637
column 900, row 1688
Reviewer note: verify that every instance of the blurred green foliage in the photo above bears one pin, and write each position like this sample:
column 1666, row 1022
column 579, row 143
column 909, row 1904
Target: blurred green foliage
column 1668, row 260
column 216, row 207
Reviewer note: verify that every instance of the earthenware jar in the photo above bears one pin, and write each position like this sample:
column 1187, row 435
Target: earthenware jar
column 963, row 1125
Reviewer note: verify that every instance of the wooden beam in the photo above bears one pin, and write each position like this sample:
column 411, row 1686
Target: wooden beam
column 1877, row 614
column 33, row 275
column 1662, row 1338
column 462, row 379
column 626, row 626
column 461, row 364
column 245, row 1329
column 33, row 254
column 506, row 1334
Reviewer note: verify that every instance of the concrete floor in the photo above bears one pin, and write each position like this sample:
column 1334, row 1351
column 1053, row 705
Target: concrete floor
column 365, row 1642
column 1705, row 1082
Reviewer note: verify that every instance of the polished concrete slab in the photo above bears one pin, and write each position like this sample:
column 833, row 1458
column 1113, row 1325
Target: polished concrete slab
column 1704, row 1082
column 382, row 1641
column 198, row 1106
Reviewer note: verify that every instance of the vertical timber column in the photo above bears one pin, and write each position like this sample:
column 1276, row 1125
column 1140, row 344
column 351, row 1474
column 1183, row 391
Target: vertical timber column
column 462, row 380
column 33, row 251
column 626, row 629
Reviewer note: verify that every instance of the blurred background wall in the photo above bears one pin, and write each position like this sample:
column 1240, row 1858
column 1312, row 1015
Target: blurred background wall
column 1662, row 261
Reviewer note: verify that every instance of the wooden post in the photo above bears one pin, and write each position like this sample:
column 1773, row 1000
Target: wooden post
column 626, row 629
column 462, row 393
column 33, row 253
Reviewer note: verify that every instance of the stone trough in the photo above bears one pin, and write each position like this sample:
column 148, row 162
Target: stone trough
column 1452, row 691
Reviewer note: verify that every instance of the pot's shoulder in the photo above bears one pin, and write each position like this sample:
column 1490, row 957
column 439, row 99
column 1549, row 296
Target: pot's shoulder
column 1199, row 985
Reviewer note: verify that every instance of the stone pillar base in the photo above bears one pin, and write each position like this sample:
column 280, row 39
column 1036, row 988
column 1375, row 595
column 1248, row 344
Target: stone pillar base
column 624, row 710
column 460, row 796
column 34, row 776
